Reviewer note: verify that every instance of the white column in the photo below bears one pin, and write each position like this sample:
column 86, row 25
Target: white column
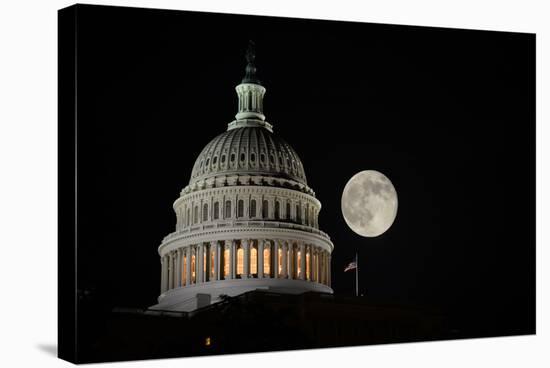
column 311, row 264
column 260, row 258
column 284, row 261
column 232, row 256
column 199, row 263
column 188, row 267
column 170, row 270
column 219, row 267
column 162, row 275
column 329, row 266
column 215, row 248
column 178, row 267
column 302, row 261
column 275, row 257
column 291, row 260
column 246, row 261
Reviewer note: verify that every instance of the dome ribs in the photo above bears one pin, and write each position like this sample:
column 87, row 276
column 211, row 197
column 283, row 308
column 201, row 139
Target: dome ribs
column 278, row 156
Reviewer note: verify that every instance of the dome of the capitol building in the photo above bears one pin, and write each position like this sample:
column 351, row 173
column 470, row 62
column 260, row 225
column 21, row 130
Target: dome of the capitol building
column 248, row 151
column 247, row 219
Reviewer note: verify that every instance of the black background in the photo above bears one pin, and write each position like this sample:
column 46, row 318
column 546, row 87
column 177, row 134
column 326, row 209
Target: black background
column 447, row 115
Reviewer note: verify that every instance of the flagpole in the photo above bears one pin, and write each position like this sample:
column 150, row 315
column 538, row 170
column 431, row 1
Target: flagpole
column 356, row 275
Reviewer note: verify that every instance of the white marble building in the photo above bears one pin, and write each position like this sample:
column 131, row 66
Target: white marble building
column 247, row 219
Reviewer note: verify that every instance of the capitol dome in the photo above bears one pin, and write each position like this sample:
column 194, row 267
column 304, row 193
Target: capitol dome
column 251, row 150
column 247, row 219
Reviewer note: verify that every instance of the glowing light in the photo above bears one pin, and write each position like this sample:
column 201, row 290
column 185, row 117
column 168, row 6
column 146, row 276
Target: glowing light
column 253, row 260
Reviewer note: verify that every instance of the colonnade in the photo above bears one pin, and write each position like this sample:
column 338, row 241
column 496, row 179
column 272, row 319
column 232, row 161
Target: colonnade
column 242, row 259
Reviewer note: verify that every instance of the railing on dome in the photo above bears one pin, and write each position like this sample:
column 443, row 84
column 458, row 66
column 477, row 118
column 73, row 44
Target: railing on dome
column 244, row 223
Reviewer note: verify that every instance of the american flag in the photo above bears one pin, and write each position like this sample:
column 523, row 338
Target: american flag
column 351, row 266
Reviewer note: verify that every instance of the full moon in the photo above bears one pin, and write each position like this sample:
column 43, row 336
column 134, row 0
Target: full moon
column 369, row 203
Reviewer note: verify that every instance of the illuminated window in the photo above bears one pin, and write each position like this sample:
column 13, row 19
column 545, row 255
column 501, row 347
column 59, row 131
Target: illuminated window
column 280, row 256
column 205, row 212
column 227, row 209
column 216, row 210
column 240, row 260
column 267, row 259
column 253, row 208
column 253, row 261
column 212, row 261
column 308, row 271
column 240, row 208
column 226, row 262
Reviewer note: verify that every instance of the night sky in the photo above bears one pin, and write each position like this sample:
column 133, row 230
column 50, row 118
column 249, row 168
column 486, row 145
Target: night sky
column 447, row 115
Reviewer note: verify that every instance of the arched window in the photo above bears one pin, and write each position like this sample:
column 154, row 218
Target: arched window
column 240, row 208
column 253, row 260
column 267, row 260
column 265, row 209
column 240, row 261
column 216, row 210
column 253, row 208
column 288, row 210
column 227, row 209
column 277, row 209
column 196, row 215
column 205, row 212
column 298, row 214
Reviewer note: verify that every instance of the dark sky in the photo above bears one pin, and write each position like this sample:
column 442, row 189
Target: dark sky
column 447, row 115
